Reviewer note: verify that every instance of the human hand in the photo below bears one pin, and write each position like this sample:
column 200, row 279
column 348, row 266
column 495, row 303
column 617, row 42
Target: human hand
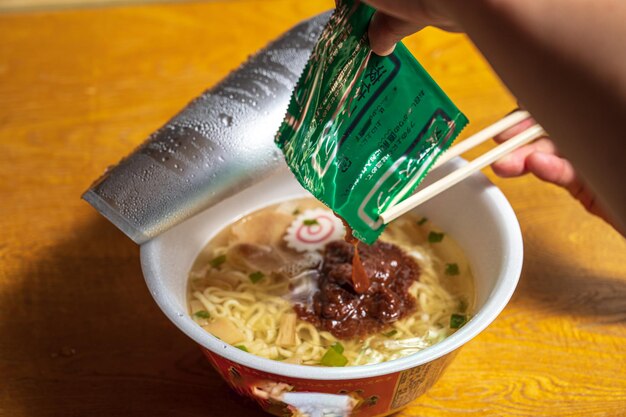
column 580, row 76
column 541, row 158
column 394, row 20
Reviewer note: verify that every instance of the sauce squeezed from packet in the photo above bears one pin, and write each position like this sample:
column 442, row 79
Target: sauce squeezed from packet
column 362, row 131
column 360, row 280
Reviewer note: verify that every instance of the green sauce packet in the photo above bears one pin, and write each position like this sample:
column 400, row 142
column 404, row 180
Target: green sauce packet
column 362, row 131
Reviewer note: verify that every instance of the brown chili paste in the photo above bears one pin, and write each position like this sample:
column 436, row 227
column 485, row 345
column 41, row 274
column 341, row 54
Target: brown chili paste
column 346, row 313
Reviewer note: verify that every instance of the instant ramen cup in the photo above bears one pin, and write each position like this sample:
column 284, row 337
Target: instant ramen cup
column 475, row 213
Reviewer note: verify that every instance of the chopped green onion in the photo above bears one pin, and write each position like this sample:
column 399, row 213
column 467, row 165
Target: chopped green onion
column 462, row 305
column 202, row 314
column 391, row 333
column 334, row 357
column 434, row 237
column 296, row 212
column 256, row 276
column 242, row 347
column 338, row 347
column 457, row 321
column 309, row 222
column 422, row 221
column 452, row 269
column 217, row 261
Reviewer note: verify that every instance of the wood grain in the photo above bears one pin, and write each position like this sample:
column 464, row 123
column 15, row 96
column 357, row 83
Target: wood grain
column 79, row 333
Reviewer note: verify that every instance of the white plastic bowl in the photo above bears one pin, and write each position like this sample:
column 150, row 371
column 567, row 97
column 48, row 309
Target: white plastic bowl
column 474, row 212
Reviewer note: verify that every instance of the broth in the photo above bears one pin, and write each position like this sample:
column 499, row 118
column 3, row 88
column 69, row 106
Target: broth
column 245, row 283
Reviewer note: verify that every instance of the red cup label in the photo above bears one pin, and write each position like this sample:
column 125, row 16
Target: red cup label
column 364, row 397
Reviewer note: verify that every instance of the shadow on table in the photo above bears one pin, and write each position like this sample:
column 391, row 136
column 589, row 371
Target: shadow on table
column 90, row 340
column 570, row 287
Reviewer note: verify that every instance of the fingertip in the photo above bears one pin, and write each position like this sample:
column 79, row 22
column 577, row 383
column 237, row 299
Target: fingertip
column 542, row 166
column 382, row 50
column 511, row 165
column 380, row 41
column 541, row 159
column 551, row 168
column 500, row 169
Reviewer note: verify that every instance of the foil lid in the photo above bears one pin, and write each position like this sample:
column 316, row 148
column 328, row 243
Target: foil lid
column 220, row 144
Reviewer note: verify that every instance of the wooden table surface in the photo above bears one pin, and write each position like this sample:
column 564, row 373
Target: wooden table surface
column 79, row 332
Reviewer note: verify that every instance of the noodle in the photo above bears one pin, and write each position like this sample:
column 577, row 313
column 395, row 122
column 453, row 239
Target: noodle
column 260, row 310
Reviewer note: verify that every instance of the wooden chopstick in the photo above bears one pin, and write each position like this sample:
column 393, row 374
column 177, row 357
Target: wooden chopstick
column 482, row 136
column 465, row 171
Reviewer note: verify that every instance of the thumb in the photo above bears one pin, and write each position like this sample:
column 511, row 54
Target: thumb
column 385, row 31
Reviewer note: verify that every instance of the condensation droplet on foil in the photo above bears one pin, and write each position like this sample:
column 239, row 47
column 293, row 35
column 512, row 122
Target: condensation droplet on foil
column 226, row 119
